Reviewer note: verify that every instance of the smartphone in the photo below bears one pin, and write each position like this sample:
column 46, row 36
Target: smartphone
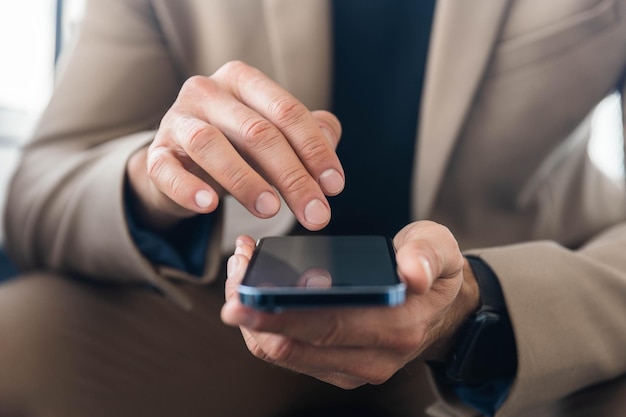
column 322, row 271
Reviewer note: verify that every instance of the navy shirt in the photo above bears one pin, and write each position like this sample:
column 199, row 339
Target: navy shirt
column 380, row 50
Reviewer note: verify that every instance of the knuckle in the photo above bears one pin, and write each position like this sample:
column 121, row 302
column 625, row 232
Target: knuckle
column 199, row 137
column 234, row 67
column 256, row 350
column 329, row 121
column 176, row 185
column 377, row 372
column 196, row 84
column 193, row 82
column 313, row 149
column 155, row 163
column 445, row 231
column 333, row 333
column 347, row 383
column 282, row 350
column 379, row 378
column 164, row 124
column 257, row 132
column 293, row 180
column 286, row 111
column 172, row 185
column 234, row 71
column 238, row 179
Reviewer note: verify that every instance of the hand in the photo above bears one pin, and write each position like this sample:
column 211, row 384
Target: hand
column 238, row 132
column 350, row 347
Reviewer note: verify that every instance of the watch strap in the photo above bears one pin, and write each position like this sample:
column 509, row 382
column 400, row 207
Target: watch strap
column 485, row 345
column 491, row 296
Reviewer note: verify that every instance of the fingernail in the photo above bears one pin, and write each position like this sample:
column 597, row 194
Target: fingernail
column 204, row 199
column 331, row 181
column 329, row 137
column 316, row 212
column 267, row 204
column 318, row 281
column 232, row 265
column 428, row 271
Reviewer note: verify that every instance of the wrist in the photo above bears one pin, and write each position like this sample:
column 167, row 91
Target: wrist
column 466, row 303
column 484, row 347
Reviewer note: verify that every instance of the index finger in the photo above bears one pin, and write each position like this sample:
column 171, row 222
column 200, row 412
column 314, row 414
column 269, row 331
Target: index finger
column 315, row 146
column 337, row 327
column 291, row 116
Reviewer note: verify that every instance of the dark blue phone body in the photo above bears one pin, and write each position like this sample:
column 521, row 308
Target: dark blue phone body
column 322, row 271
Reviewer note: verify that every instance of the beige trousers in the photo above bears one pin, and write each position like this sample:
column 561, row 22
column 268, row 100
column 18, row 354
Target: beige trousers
column 75, row 349
column 69, row 348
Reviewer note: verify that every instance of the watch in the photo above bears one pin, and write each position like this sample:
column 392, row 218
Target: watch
column 485, row 345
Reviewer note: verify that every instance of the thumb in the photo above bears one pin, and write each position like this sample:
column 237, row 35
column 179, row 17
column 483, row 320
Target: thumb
column 425, row 252
column 415, row 268
column 237, row 265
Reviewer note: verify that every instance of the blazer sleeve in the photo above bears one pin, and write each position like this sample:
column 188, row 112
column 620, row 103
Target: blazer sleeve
column 568, row 311
column 567, row 307
column 66, row 207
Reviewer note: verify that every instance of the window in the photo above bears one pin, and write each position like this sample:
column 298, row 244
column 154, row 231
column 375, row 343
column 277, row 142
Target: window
column 28, row 44
column 27, row 36
column 28, row 41
column 606, row 147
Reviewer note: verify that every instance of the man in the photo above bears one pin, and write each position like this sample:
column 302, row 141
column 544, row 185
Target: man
column 499, row 161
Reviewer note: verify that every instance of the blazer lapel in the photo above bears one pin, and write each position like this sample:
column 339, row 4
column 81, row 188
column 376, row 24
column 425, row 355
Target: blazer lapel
column 464, row 33
column 300, row 44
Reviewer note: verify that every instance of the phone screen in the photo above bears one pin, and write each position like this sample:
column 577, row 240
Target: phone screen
column 357, row 269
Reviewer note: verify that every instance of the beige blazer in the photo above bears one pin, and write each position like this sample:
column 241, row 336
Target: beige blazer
column 501, row 159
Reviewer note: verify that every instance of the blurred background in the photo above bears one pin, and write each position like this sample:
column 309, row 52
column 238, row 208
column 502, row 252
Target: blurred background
column 33, row 33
